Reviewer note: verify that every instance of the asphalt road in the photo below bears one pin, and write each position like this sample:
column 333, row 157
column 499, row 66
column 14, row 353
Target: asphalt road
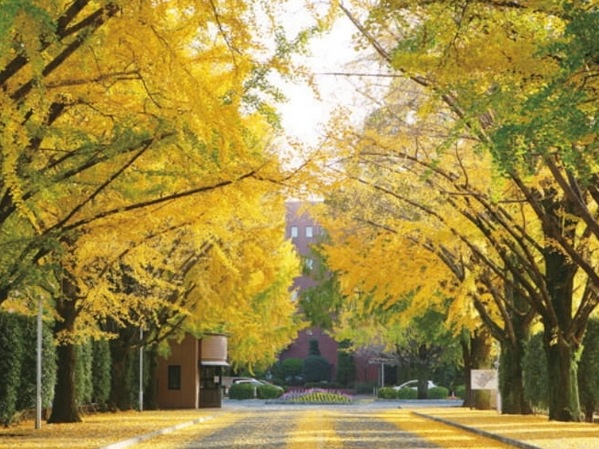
column 310, row 428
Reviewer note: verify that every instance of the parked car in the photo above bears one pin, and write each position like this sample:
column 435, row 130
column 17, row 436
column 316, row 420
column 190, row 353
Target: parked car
column 413, row 384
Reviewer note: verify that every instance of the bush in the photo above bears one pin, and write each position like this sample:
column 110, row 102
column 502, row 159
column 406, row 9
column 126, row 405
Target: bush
column 407, row 393
column 268, row 392
column 316, row 369
column 460, row 391
column 534, row 369
column 292, row 367
column 387, row 393
column 438, row 393
column 242, row 391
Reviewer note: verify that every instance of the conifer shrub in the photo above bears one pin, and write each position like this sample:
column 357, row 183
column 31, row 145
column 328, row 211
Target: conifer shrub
column 588, row 371
column 11, row 357
column 83, row 373
column 27, row 395
column 316, row 369
column 101, row 373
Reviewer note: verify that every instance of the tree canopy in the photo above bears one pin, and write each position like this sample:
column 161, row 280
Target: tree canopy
column 496, row 138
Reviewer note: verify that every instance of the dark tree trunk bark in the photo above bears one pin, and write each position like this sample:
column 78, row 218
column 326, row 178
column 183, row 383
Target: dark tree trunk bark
column 481, row 359
column 476, row 354
column 562, row 367
column 151, row 393
column 560, row 343
column 122, row 389
column 511, row 380
column 64, row 406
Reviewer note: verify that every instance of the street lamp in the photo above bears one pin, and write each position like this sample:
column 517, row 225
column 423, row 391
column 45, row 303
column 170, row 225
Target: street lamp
column 38, row 399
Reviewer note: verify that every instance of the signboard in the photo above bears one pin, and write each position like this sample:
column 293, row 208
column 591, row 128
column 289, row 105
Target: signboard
column 484, row 379
column 383, row 360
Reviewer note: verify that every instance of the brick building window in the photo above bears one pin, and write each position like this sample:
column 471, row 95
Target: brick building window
column 294, row 232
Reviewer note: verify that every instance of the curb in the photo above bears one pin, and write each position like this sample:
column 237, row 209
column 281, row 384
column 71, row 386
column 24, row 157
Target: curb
column 484, row 433
column 131, row 441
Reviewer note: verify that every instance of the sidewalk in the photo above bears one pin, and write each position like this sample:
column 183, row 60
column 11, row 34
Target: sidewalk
column 522, row 431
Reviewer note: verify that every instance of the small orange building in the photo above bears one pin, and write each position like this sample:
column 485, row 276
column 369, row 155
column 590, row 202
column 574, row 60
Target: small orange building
column 191, row 376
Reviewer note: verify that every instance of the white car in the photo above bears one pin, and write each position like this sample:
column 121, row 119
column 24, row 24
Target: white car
column 255, row 383
column 413, row 384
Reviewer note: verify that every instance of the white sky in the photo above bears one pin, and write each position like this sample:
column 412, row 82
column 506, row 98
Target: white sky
column 304, row 116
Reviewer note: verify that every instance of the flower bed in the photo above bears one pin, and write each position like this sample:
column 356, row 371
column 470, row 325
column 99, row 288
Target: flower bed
column 314, row 396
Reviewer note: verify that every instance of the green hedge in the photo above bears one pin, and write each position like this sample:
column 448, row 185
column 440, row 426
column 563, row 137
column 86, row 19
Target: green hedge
column 438, row 393
column 11, row 357
column 407, row 393
column 387, row 393
column 242, row 391
column 18, row 365
column 27, row 391
column 268, row 392
column 101, row 372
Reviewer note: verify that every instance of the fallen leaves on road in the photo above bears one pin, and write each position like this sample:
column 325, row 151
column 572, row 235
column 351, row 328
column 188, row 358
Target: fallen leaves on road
column 183, row 437
column 442, row 434
column 97, row 430
column 535, row 430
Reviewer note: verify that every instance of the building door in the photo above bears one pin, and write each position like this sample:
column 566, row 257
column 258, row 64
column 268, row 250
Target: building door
column 210, row 386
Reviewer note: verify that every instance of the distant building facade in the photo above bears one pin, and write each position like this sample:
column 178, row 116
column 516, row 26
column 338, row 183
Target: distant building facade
column 304, row 231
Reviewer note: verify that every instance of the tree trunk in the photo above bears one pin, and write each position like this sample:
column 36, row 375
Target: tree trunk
column 513, row 342
column 151, row 393
column 481, row 359
column 64, row 406
column 476, row 354
column 560, row 347
column 511, row 380
column 422, row 371
column 121, row 390
column 562, row 370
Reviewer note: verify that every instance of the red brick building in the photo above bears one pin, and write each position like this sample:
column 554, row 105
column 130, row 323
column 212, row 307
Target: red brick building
column 304, row 231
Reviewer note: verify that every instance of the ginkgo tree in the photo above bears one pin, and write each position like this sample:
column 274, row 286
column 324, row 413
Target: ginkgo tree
column 122, row 121
column 405, row 206
column 501, row 72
